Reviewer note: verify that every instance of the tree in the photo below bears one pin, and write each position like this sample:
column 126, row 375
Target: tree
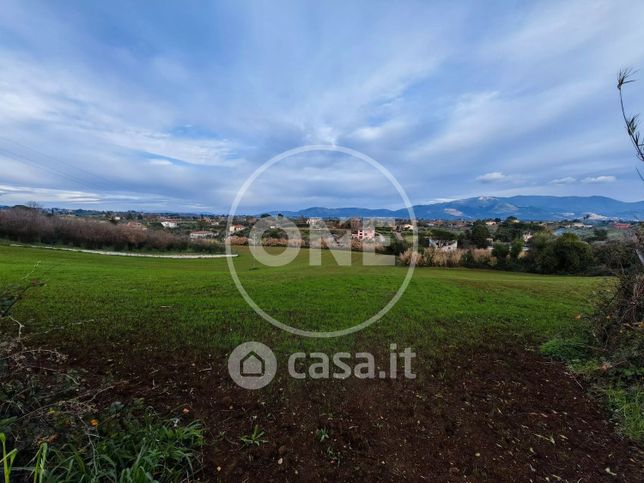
column 516, row 248
column 617, row 321
column 442, row 234
column 566, row 254
column 500, row 251
column 479, row 235
column 624, row 77
column 396, row 246
column 202, row 223
column 600, row 234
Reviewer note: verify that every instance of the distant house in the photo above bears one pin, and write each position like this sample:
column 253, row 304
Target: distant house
column 365, row 234
column 621, row 226
column 526, row 237
column 314, row 221
column 490, row 223
column 407, row 226
column 200, row 235
column 169, row 224
column 443, row 245
column 235, row 228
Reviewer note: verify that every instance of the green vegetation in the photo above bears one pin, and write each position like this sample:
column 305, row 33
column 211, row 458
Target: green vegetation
column 628, row 406
column 33, row 226
column 479, row 235
column 255, row 438
column 8, row 458
column 84, row 303
column 102, row 302
column 42, row 402
column 128, row 444
column 610, row 354
column 571, row 349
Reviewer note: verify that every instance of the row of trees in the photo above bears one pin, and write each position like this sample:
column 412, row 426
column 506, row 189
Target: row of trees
column 31, row 225
column 546, row 253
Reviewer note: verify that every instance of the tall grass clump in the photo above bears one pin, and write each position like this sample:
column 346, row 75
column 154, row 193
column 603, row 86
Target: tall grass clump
column 432, row 257
column 48, row 411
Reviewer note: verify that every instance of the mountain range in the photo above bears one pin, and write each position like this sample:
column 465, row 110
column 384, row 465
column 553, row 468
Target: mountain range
column 535, row 208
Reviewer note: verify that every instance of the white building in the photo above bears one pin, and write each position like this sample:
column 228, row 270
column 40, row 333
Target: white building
column 443, row 245
column 169, row 224
column 235, row 228
column 200, row 235
column 314, row 221
column 365, row 234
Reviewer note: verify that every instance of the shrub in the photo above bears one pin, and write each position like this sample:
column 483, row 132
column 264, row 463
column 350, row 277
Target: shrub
column 477, row 259
column 619, row 319
column 627, row 405
column 516, row 249
column 129, row 444
column 500, row 251
column 479, row 235
column 30, row 225
column 439, row 258
column 410, row 255
column 564, row 254
column 54, row 414
column 571, row 349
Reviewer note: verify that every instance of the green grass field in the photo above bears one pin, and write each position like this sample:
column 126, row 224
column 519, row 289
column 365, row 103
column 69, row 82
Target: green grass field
column 193, row 305
column 484, row 399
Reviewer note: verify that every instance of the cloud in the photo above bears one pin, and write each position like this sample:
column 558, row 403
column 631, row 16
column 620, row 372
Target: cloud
column 599, row 179
column 565, row 180
column 453, row 212
column 160, row 162
column 379, row 132
column 190, row 108
column 493, row 177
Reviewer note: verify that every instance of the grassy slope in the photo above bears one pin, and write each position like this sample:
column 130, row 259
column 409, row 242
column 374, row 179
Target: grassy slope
column 194, row 305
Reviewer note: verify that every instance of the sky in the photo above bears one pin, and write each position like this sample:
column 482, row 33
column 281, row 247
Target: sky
column 171, row 106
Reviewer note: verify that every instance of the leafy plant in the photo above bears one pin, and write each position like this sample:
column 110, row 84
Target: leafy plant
column 624, row 77
column 255, row 438
column 40, row 463
column 322, row 435
column 565, row 349
column 126, row 447
column 7, row 458
column 628, row 406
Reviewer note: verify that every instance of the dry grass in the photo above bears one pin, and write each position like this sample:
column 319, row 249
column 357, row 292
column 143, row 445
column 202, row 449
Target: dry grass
column 431, row 257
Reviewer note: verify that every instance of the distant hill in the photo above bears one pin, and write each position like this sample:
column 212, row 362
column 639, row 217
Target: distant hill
column 546, row 208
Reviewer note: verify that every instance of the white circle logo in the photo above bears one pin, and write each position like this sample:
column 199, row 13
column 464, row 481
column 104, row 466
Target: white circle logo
column 252, row 365
column 357, row 155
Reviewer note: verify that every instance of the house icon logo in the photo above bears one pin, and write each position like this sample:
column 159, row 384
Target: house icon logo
column 252, row 365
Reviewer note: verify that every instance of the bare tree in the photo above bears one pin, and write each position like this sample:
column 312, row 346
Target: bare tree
column 624, row 77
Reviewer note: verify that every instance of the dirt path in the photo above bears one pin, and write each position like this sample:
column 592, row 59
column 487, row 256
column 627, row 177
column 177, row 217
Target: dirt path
column 476, row 415
column 128, row 254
